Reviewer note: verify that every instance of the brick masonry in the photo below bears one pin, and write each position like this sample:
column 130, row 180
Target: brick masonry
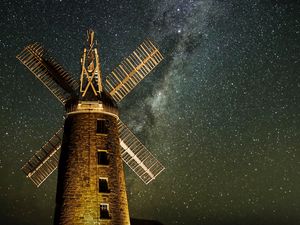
column 78, row 199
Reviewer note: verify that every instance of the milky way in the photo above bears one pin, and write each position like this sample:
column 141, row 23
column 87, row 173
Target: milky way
column 221, row 112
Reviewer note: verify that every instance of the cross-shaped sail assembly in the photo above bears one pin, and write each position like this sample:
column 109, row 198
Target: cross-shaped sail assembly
column 118, row 84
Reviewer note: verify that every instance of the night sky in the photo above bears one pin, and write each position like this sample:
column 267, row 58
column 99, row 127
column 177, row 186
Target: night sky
column 221, row 112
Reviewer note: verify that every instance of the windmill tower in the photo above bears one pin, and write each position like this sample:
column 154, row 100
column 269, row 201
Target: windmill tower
column 89, row 149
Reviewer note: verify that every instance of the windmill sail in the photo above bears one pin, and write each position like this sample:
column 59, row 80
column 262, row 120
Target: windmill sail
column 132, row 70
column 44, row 161
column 49, row 72
column 137, row 157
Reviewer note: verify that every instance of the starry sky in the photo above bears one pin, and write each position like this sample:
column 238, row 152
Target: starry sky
column 221, row 112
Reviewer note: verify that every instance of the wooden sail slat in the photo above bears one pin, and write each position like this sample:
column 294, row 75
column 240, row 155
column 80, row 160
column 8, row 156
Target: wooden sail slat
column 132, row 70
column 127, row 67
column 45, row 160
column 127, row 89
column 38, row 61
column 137, row 157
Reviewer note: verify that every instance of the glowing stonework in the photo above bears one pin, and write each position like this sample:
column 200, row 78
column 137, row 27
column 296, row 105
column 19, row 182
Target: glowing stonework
column 90, row 154
column 89, row 150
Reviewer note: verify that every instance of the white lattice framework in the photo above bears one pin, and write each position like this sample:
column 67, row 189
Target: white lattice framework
column 132, row 70
column 45, row 161
column 118, row 84
column 137, row 156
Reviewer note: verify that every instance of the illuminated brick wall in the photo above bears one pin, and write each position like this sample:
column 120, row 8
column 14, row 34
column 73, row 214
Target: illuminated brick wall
column 78, row 198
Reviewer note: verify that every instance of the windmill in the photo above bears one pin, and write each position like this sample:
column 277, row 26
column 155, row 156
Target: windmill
column 89, row 149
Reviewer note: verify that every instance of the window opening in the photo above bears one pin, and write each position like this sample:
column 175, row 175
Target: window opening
column 104, row 211
column 102, row 156
column 103, row 185
column 102, row 127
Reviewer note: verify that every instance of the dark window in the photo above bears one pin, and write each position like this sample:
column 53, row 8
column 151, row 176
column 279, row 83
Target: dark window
column 103, row 185
column 102, row 158
column 104, row 211
column 102, row 127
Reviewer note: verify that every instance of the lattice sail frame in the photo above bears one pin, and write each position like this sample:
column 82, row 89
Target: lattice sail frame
column 137, row 156
column 118, row 84
column 132, row 70
column 60, row 83
column 45, row 161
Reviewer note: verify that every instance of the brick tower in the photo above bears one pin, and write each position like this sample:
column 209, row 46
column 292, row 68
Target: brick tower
column 89, row 150
column 91, row 183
